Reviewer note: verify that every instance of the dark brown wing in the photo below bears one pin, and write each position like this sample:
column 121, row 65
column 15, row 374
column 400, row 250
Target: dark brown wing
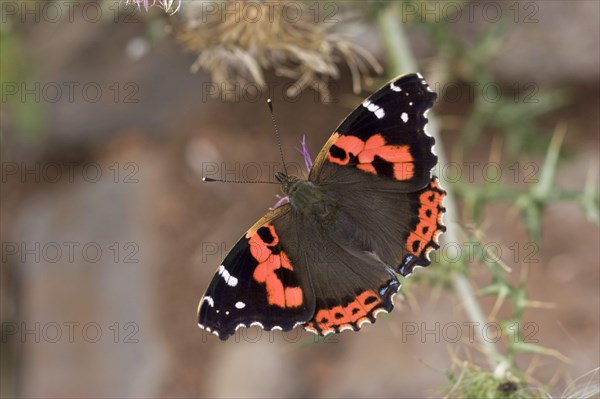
column 260, row 282
column 377, row 166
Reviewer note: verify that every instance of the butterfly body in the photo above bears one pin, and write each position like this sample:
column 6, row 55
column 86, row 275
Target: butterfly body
column 312, row 202
column 369, row 209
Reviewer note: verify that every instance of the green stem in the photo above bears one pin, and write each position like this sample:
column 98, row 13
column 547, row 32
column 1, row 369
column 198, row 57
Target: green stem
column 402, row 60
column 392, row 34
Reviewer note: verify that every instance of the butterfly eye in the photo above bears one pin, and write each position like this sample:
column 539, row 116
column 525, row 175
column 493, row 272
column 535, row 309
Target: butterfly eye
column 280, row 177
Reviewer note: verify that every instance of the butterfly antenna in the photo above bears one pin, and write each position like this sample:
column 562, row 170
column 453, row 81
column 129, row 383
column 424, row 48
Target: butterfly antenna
column 210, row 180
column 270, row 103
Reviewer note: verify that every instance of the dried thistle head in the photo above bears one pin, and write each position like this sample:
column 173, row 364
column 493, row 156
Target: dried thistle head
column 167, row 5
column 237, row 41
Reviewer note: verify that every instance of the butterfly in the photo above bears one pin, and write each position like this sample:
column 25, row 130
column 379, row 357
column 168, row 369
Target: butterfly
column 370, row 208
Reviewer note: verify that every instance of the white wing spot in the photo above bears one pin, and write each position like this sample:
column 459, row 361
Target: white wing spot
column 210, row 301
column 362, row 322
column 240, row 305
column 229, row 279
column 395, row 88
column 311, row 330
column 327, row 332
column 410, row 103
column 232, row 281
column 404, row 117
column 376, row 109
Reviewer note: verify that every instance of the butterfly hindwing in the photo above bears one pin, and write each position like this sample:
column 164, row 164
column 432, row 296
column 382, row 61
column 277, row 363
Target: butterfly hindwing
column 260, row 282
column 351, row 287
column 401, row 228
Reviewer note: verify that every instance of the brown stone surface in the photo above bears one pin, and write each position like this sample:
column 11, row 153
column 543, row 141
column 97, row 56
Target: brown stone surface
column 176, row 222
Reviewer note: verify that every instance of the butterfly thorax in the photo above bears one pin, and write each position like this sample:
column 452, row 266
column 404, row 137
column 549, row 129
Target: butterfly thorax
column 308, row 198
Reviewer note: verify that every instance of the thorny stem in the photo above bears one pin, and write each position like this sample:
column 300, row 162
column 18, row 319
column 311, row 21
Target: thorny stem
column 402, row 60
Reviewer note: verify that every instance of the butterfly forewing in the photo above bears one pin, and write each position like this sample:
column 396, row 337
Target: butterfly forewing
column 384, row 138
column 262, row 281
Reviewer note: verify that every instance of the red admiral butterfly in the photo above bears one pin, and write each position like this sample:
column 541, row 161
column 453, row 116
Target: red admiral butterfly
column 327, row 260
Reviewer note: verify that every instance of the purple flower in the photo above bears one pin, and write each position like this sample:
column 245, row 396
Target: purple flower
column 307, row 161
column 304, row 151
column 281, row 201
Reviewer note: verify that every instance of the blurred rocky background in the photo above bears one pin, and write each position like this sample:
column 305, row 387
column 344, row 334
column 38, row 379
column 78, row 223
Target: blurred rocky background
column 109, row 238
